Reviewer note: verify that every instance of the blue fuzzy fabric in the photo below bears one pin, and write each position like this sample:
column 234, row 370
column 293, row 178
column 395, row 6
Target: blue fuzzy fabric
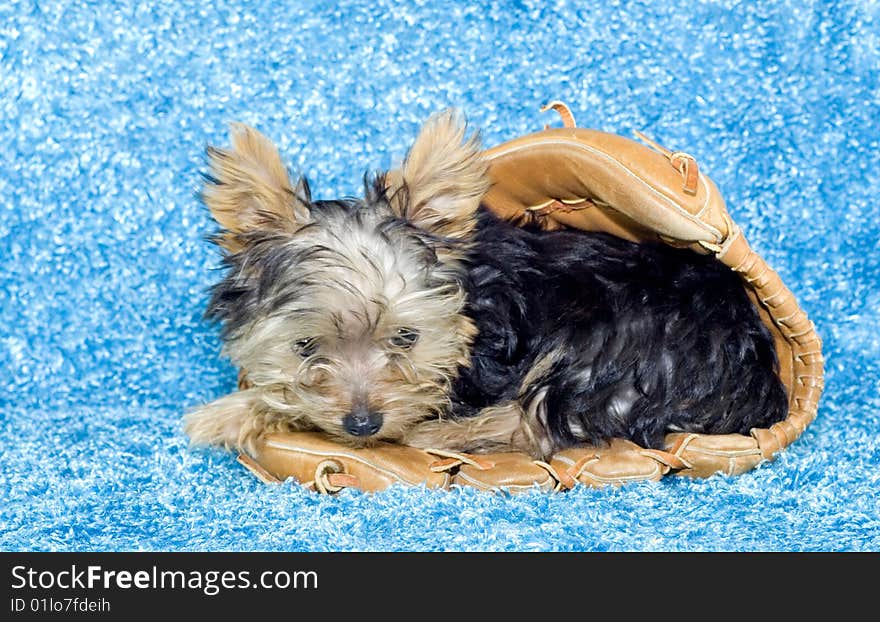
column 105, row 111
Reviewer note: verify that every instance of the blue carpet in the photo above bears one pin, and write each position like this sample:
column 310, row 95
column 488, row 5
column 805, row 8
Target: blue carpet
column 105, row 110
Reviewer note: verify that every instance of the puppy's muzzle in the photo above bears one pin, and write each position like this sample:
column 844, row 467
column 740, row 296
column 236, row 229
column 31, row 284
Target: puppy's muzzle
column 362, row 421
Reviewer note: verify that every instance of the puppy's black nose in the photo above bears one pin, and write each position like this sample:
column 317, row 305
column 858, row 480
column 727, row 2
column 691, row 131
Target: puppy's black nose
column 362, row 421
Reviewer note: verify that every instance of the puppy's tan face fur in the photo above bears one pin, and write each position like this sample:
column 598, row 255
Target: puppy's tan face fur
column 354, row 321
column 339, row 310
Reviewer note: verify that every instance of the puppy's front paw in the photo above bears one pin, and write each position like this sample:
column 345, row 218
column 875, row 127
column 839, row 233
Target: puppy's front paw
column 228, row 422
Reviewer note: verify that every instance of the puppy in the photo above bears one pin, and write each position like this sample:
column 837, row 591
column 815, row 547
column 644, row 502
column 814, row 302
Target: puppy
column 414, row 315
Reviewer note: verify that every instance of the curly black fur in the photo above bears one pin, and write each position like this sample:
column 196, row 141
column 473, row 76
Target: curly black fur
column 644, row 338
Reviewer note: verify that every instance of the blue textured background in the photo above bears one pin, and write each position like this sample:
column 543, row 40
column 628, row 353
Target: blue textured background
column 105, row 110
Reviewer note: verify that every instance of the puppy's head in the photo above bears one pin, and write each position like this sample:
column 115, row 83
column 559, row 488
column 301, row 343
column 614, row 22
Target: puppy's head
column 347, row 314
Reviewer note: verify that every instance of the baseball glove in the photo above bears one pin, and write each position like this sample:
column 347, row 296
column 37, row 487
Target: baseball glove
column 591, row 180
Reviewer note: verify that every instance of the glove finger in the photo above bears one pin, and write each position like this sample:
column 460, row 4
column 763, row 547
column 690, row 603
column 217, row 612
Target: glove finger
column 510, row 472
column 326, row 466
column 618, row 463
column 706, row 454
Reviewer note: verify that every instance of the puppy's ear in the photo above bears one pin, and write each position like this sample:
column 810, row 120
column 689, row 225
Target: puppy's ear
column 248, row 188
column 442, row 179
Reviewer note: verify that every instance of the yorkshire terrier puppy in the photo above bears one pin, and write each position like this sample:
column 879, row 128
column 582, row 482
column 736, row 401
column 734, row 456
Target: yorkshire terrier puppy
column 414, row 315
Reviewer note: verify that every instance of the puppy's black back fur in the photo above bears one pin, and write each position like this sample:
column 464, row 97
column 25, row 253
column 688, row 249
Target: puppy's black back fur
column 637, row 339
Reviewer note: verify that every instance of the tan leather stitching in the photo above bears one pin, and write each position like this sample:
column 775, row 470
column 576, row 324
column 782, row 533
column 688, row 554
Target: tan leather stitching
column 343, row 480
column 564, row 112
column 446, row 464
column 564, row 206
column 330, row 477
column 578, row 468
column 684, row 163
column 690, row 171
column 671, row 460
column 257, row 469
column 553, row 473
column 454, row 459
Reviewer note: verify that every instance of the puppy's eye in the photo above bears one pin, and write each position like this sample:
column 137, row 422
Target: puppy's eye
column 405, row 338
column 306, row 347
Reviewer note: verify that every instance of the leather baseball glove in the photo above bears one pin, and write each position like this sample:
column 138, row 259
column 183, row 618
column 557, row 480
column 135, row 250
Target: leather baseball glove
column 591, row 180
